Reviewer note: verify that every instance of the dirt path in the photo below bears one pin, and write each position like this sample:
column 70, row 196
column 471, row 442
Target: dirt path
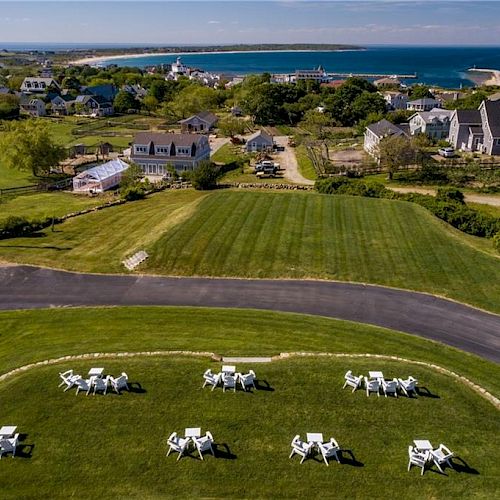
column 217, row 143
column 470, row 198
column 288, row 161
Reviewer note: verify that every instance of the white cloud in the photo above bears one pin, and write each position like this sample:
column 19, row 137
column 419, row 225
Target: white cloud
column 213, row 22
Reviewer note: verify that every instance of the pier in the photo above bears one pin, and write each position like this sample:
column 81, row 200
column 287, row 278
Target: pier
column 372, row 75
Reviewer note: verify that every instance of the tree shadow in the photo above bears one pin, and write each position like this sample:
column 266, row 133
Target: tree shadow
column 222, row 450
column 43, row 247
column 350, row 460
column 426, row 393
column 263, row 385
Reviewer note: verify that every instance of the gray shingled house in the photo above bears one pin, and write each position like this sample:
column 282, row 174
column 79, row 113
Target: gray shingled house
column 201, row 122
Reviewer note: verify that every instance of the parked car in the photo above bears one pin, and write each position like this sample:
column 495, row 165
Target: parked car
column 267, row 166
column 446, row 152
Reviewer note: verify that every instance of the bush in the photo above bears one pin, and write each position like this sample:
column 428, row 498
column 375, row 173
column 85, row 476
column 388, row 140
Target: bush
column 205, row 176
column 15, row 226
column 450, row 194
column 132, row 193
column 496, row 241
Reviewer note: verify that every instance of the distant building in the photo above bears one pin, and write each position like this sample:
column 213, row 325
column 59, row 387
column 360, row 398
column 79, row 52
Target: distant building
column 375, row 132
column 333, row 84
column 260, row 141
column 201, row 122
column 33, row 107
column 154, row 151
column 91, row 105
column 387, row 82
column 434, row 124
column 424, row 104
column 395, row 100
column 108, row 91
column 100, row 178
column 318, row 74
column 38, row 84
column 490, row 118
column 62, row 104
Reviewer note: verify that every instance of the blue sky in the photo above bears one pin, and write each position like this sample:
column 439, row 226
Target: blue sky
column 417, row 22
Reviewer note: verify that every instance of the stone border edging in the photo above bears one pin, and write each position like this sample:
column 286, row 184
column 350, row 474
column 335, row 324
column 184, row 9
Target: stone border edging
column 284, row 355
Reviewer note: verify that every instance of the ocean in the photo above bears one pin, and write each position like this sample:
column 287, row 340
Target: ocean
column 440, row 66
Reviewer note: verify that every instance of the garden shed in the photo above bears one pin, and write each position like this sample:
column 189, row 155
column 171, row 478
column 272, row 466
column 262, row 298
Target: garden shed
column 98, row 179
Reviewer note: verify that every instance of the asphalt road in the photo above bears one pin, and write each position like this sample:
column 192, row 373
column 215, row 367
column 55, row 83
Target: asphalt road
column 469, row 329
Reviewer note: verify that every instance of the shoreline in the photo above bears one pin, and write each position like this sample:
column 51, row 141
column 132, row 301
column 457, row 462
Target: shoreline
column 95, row 60
column 494, row 76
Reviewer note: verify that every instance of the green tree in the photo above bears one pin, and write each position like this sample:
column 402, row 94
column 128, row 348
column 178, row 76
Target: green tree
column 396, row 152
column 132, row 176
column 317, row 123
column 28, row 146
column 150, row 103
column 231, row 126
column 9, row 106
column 419, row 91
column 71, row 82
column 125, row 101
column 205, row 176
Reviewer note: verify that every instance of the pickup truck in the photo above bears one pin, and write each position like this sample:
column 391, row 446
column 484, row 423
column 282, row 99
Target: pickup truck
column 267, row 167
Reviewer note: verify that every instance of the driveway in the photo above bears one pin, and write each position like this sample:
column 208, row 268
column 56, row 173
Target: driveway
column 469, row 329
column 469, row 198
column 216, row 143
column 288, row 162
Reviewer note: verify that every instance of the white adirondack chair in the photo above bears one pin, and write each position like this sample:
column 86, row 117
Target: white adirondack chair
column 119, row 383
column 204, row 443
column 408, row 385
column 9, row 445
column 247, row 379
column 212, row 379
column 68, row 379
column 352, row 381
column 177, row 444
column 300, row 447
column 330, row 449
column 100, row 384
column 83, row 385
column 228, row 382
column 417, row 458
column 390, row 387
column 442, row 456
column 372, row 386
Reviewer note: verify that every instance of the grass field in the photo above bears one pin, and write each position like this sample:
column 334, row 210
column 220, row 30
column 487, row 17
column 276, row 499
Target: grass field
column 114, row 446
column 41, row 205
column 295, row 235
column 306, row 167
column 10, row 177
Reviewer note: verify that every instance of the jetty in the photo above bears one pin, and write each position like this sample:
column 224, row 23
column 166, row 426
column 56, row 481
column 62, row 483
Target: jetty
column 373, row 75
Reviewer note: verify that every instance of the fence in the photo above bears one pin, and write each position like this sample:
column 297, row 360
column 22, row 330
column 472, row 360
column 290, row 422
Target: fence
column 33, row 188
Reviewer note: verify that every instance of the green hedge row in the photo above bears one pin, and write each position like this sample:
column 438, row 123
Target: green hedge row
column 15, row 226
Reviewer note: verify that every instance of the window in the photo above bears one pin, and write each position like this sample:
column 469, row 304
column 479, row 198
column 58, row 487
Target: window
column 140, row 149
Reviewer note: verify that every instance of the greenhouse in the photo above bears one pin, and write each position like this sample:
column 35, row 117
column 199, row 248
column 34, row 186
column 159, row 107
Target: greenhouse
column 100, row 178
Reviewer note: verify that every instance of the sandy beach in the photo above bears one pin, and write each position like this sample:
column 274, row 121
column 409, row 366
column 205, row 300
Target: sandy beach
column 96, row 60
column 494, row 78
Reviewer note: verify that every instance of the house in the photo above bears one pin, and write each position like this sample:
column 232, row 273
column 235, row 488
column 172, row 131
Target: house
column 375, row 132
column 104, row 148
column 424, row 104
column 107, row 90
column 33, row 107
column 100, row 178
column 4, row 90
column 93, row 105
column 395, row 100
column 260, row 141
column 490, row 119
column 201, row 122
column 434, row 124
column 136, row 90
column 445, row 97
column 78, row 150
column 62, row 104
column 154, row 151
column 318, row 74
column 465, row 129
column 38, row 84
column 387, row 82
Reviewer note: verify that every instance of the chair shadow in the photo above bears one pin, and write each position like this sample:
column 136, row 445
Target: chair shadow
column 426, row 393
column 222, row 450
column 263, row 385
column 136, row 388
column 463, row 466
column 24, row 450
column 352, row 461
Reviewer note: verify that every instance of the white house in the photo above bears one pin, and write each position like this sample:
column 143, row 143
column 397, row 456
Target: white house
column 424, row 104
column 100, row 178
column 375, row 132
column 395, row 100
column 38, row 84
column 33, row 107
column 435, row 123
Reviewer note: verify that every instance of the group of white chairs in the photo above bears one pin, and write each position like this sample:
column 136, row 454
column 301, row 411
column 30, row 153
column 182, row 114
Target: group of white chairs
column 136, row 259
column 376, row 384
column 440, row 457
column 95, row 383
column 229, row 380
column 182, row 444
column 306, row 449
column 9, row 445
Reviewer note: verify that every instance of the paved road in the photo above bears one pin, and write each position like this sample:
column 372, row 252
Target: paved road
column 24, row 287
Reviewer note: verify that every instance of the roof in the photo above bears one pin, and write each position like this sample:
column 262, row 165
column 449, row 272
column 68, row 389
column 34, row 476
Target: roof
column 387, row 81
column 260, row 133
column 161, row 139
column 99, row 99
column 429, row 116
column 206, row 116
column 108, row 91
column 384, row 128
column 47, row 80
column 476, row 130
column 424, row 101
column 102, row 172
column 468, row 116
column 494, row 97
column 493, row 116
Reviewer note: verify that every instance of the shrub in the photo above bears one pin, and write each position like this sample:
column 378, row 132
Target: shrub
column 205, row 176
column 15, row 226
column 450, row 194
column 496, row 241
column 132, row 193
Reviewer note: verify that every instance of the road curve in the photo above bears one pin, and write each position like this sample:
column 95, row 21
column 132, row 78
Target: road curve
column 469, row 329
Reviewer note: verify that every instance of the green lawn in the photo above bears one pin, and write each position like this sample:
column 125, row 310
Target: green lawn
column 41, row 205
column 275, row 235
column 10, row 177
column 306, row 168
column 114, row 446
